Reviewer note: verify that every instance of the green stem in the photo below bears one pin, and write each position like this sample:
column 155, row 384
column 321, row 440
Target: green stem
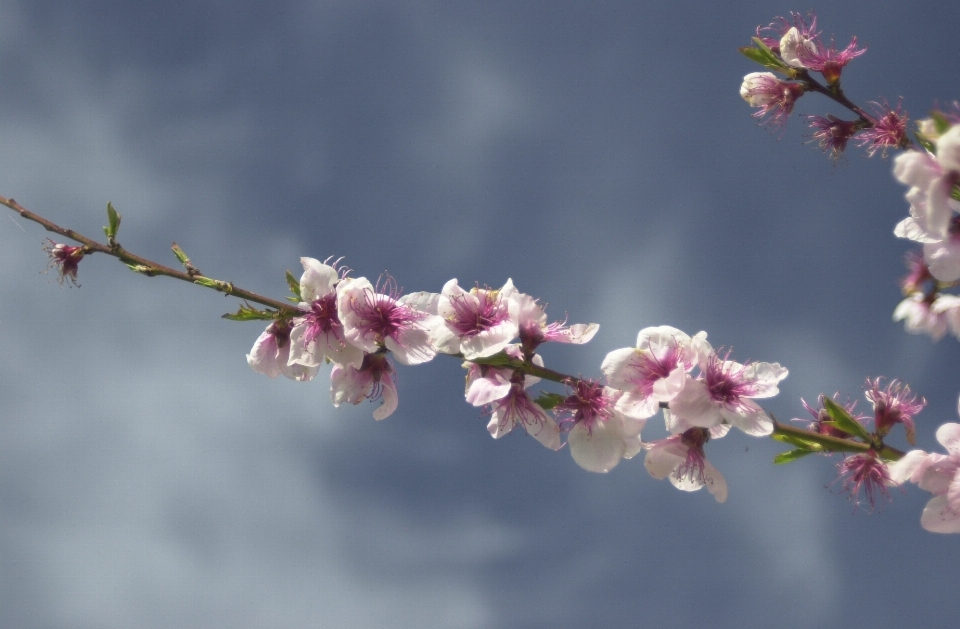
column 149, row 267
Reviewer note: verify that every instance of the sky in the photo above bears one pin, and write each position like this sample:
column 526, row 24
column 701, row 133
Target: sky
column 598, row 154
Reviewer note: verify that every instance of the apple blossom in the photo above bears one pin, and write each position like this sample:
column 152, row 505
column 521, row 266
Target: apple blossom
column 932, row 220
column 652, row 372
column 534, row 329
column 66, row 258
column 598, row 433
column 919, row 316
column 723, row 394
column 681, row 459
column 819, row 57
column 479, row 322
column 376, row 317
column 892, row 405
column 864, row 473
column 318, row 336
column 271, row 354
column 372, row 381
column 771, row 95
column 940, row 475
column 889, row 130
column 832, row 133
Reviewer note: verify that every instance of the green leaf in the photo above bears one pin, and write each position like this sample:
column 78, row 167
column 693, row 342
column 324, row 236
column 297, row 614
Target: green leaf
column 842, row 420
column 941, row 123
column 249, row 313
column 761, row 53
column 955, row 193
column 548, row 401
column 113, row 220
column 181, row 256
column 923, row 141
column 498, row 360
column 791, row 456
column 294, row 285
column 799, row 442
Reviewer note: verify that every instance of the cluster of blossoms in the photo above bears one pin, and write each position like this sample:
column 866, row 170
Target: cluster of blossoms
column 794, row 49
column 933, row 174
column 357, row 326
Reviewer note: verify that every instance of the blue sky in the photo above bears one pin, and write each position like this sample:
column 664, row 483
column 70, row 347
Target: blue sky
column 596, row 153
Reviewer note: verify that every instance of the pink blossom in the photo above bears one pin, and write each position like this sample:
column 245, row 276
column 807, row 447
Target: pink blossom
column 66, row 258
column 377, row 317
column 940, row 475
column 826, row 60
column 893, row 405
column 599, row 435
column 771, row 95
column 821, row 417
column 865, row 474
column 889, row 130
column 652, row 372
column 781, row 26
column 318, row 336
column 271, row 353
column 534, row 329
column 503, row 393
column 932, row 219
column 372, row 381
column 724, row 393
column 918, row 275
column 479, row 322
column 832, row 133
column 948, row 306
column 681, row 459
column 919, row 316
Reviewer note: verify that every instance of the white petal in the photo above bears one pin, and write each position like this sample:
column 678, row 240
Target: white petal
column 766, row 377
column 694, row 406
column 755, row 423
column 263, row 355
column 495, row 386
column 390, row 398
column 903, row 470
column 949, row 437
column 422, row 301
column 916, row 168
column 715, row 482
column 948, row 149
column 577, row 334
column 413, row 346
column 349, row 385
column 909, row 228
column 663, row 457
column 943, row 258
column 938, row 517
column 596, row 450
column 318, row 280
column 546, row 432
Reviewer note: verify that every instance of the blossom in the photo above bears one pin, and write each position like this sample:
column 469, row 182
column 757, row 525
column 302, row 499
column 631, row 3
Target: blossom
column 781, row 26
column 892, row 405
column 794, row 41
column 479, row 322
column 271, row 353
column 375, row 317
column 66, row 258
column 889, row 130
column 502, row 392
column 599, row 434
column 821, row 417
column 372, row 381
column 652, row 372
column 864, row 473
column 534, row 329
column 932, row 220
column 771, row 95
column 920, row 317
column 832, row 133
column 948, row 306
column 681, row 459
column 826, row 60
column 940, row 475
column 724, row 392
column 318, row 336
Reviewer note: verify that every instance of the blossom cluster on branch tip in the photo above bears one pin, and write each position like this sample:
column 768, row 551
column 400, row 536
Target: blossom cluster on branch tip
column 933, row 177
column 793, row 47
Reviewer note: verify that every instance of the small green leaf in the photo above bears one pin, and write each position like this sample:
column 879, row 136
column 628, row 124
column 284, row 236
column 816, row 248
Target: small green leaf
column 955, row 193
column 294, row 285
column 791, row 456
column 498, row 360
column 941, row 123
column 181, row 256
column 842, row 420
column 799, row 442
column 249, row 313
column 923, row 141
column 206, row 281
column 549, row 401
column 761, row 53
column 113, row 220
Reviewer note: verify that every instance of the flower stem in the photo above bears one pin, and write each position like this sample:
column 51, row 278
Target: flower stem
column 149, row 267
